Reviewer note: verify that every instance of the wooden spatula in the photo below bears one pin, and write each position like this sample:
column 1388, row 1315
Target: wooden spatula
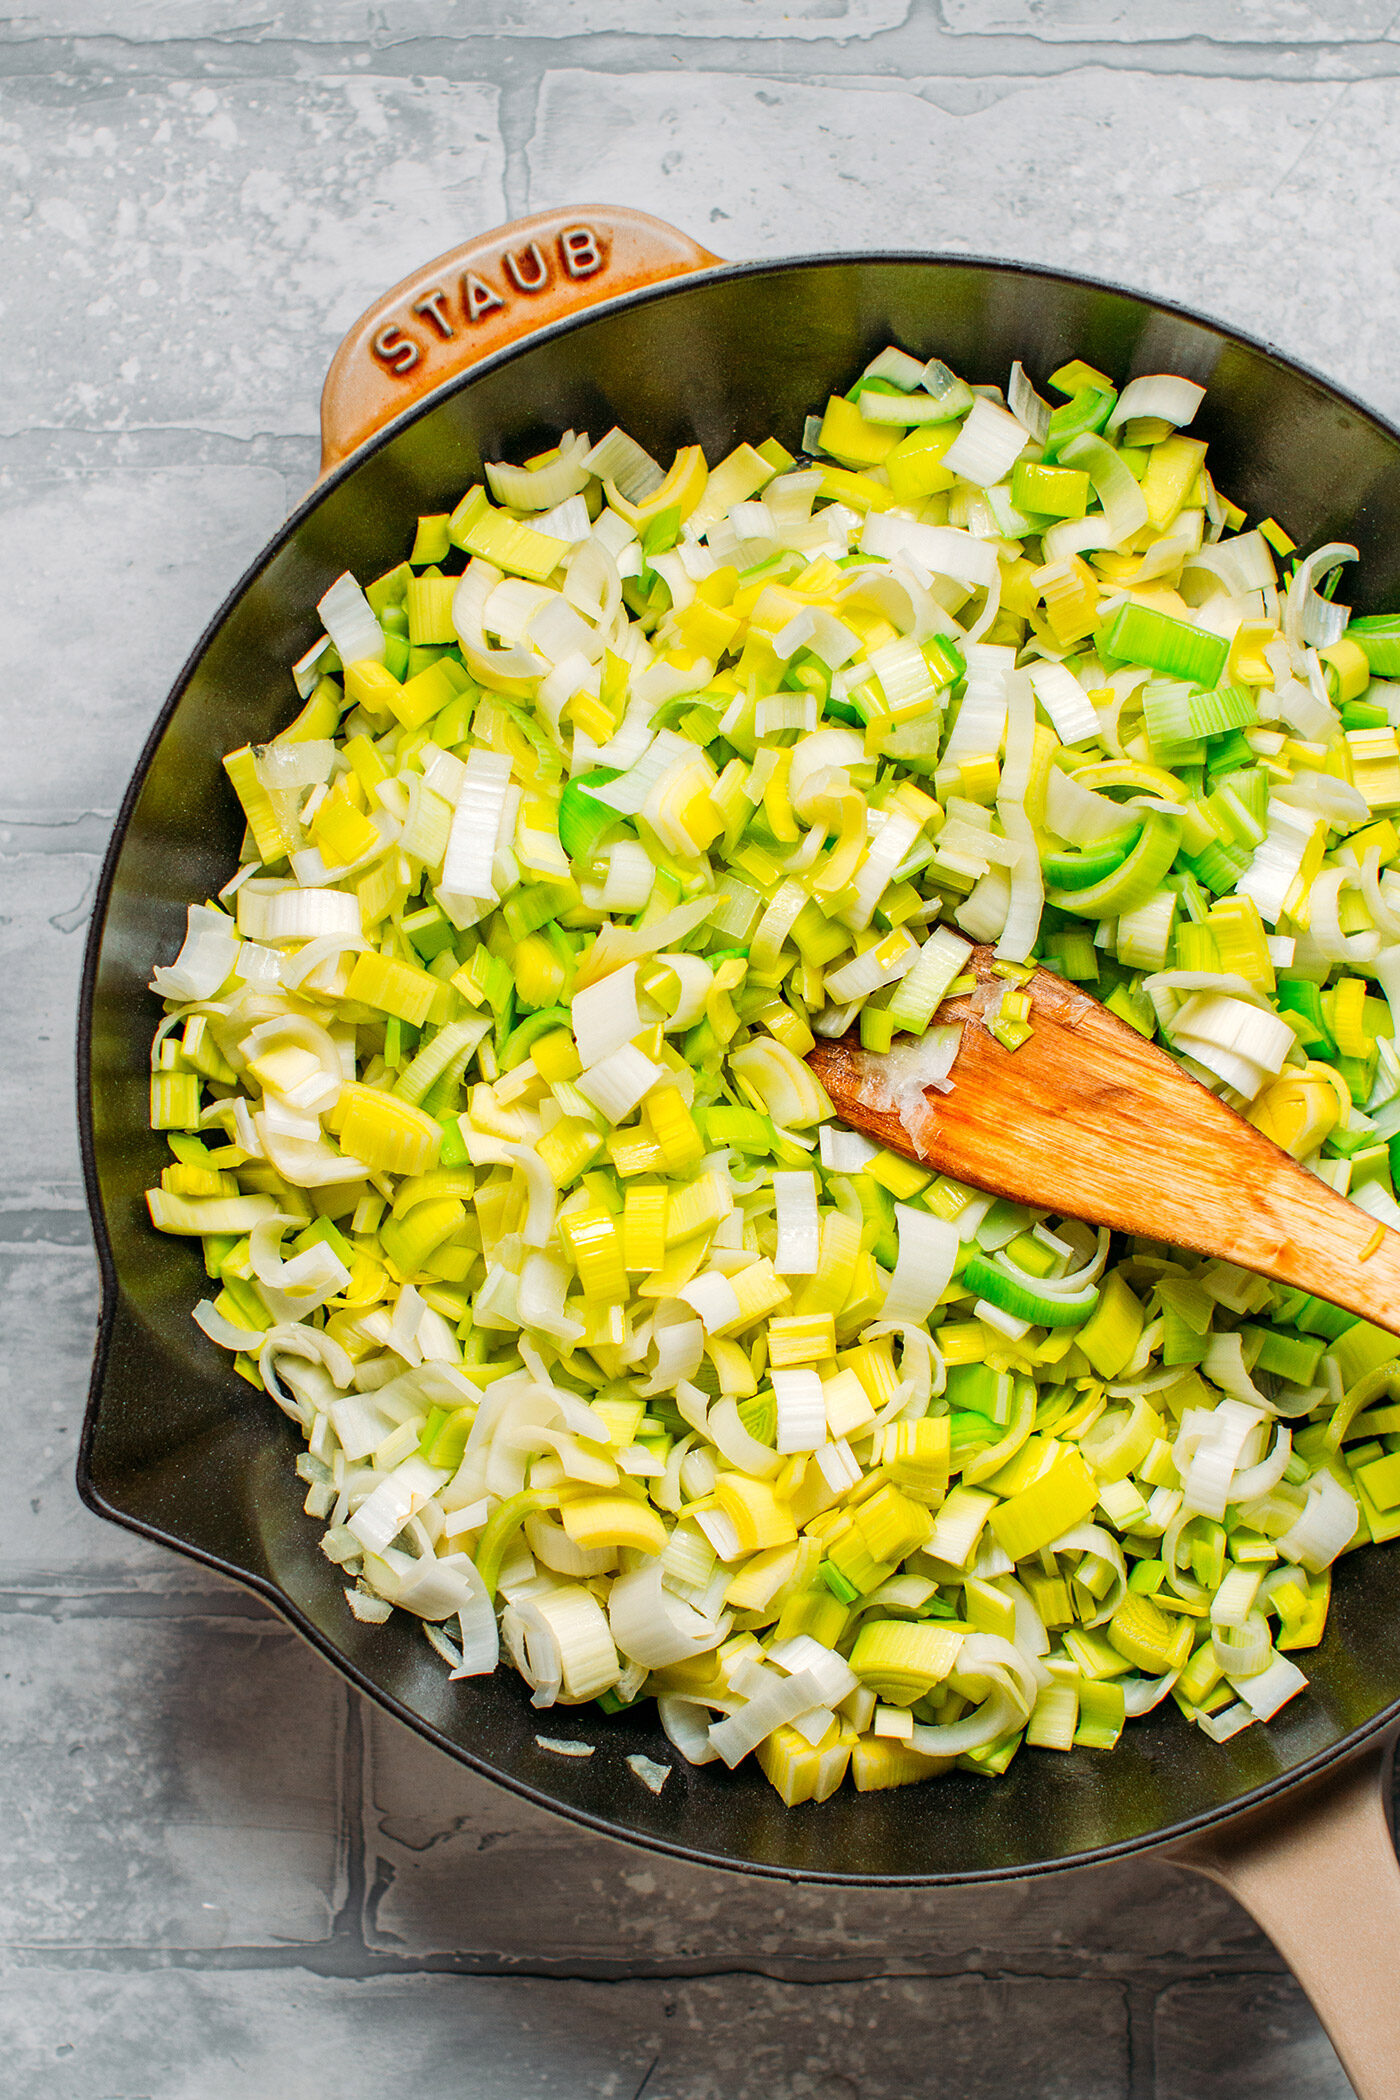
column 1088, row 1120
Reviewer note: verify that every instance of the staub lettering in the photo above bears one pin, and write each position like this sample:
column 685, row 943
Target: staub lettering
column 577, row 253
column 430, row 306
column 398, row 351
column 578, row 245
column 528, row 271
column 478, row 299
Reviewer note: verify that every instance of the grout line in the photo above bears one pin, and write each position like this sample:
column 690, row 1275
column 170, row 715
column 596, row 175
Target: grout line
column 1141, row 2009
column 348, row 1925
column 209, row 1606
column 918, row 46
column 343, row 1957
column 517, row 116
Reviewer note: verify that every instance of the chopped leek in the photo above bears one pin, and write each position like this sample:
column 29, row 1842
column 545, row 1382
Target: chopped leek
column 486, row 1093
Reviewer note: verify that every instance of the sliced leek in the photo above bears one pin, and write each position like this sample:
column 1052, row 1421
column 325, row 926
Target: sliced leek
column 485, row 1091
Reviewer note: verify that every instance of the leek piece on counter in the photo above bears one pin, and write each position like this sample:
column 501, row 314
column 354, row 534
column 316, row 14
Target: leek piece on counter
column 617, row 1360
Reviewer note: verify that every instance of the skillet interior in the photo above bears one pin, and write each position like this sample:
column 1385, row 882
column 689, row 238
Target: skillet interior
column 179, row 1448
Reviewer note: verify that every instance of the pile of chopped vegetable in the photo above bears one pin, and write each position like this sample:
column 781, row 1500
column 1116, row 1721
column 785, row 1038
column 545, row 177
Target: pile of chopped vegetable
column 484, row 1078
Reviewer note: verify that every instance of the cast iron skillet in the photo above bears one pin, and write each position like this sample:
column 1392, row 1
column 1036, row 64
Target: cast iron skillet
column 177, row 1448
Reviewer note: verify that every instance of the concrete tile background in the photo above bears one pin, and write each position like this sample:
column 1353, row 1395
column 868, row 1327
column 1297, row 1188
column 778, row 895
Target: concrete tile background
column 224, row 1876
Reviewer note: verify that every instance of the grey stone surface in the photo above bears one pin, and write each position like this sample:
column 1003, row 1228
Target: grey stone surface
column 182, row 253
column 177, row 1764
column 439, row 1842
column 299, row 2037
column 160, row 547
column 1249, row 2040
column 1282, row 22
column 1270, row 204
column 44, row 902
column 330, row 22
column 47, row 1324
column 226, row 1878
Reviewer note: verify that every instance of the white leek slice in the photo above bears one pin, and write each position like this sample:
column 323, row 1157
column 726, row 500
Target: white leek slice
column 778, row 1701
column 1326, row 1527
column 1278, row 858
column 306, row 763
column 996, row 1716
column 981, row 723
column 797, row 1249
column 628, row 794
column 605, row 1015
column 349, row 620
column 513, row 605
column 652, row 1775
column 308, row 1279
column 476, row 825
column 928, row 1251
column 1244, row 563
column 1078, row 814
column 686, row 1724
column 789, row 1090
column 567, row 521
column 1161, row 394
column 1066, row 703
column 224, row 1332
column 620, row 459
column 307, row 1163
column 540, row 1301
column 801, row 1410
column 828, row 638
column 1124, row 505
column 296, row 1060
column 952, row 394
column 304, row 915
column 943, row 550
column 847, row 1152
column 679, row 1350
column 564, row 1644
column 830, row 1670
column 1322, row 795
column 988, row 445
column 1307, row 615
column 1028, row 407
column 1021, row 927
column 1271, row 1688
column 1241, row 1044
column 1207, row 1453
column 884, row 963
column 984, row 913
column 895, row 838
column 541, row 488
column 382, row 1515
column 474, row 588
column 713, row 1297
column 618, row 1083
column 306, row 674
column 652, row 1627
column 734, row 1443
column 206, row 957
column 593, row 584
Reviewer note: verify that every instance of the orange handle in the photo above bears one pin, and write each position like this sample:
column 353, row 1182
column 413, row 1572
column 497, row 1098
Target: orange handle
column 478, row 298
column 1317, row 1870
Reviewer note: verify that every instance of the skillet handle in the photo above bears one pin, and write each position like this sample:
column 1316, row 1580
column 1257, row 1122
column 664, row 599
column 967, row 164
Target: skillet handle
column 1317, row 1870
column 477, row 298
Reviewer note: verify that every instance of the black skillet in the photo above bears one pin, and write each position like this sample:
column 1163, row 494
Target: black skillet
column 487, row 354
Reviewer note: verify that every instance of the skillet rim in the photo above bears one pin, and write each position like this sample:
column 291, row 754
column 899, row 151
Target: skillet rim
column 1336, row 1754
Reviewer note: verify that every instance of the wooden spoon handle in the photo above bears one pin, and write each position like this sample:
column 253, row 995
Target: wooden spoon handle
column 1089, row 1120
